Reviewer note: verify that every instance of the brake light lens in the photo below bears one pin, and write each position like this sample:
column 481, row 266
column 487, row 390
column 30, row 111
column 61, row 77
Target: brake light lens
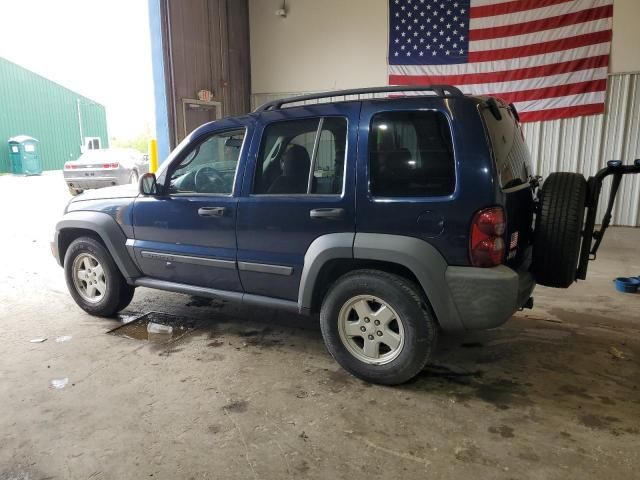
column 111, row 165
column 486, row 247
column 70, row 166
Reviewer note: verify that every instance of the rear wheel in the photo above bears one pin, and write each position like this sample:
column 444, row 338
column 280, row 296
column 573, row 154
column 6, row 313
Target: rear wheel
column 93, row 279
column 558, row 231
column 377, row 326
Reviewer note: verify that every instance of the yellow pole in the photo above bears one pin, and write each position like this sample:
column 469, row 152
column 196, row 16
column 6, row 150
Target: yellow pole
column 153, row 155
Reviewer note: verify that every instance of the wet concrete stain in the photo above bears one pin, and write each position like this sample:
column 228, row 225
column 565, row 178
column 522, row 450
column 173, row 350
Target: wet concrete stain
column 137, row 329
column 237, row 406
column 444, row 373
column 529, row 456
column 471, row 454
column 213, row 429
column 204, row 302
column 337, row 380
column 170, row 351
column 467, row 385
column 503, row 430
column 266, row 337
column 214, row 357
column 579, row 392
column 597, row 421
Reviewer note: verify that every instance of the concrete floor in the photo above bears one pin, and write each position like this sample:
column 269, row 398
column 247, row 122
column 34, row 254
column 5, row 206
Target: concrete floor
column 554, row 394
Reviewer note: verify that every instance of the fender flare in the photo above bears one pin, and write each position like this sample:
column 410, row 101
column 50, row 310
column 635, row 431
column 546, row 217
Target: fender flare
column 418, row 256
column 323, row 249
column 105, row 226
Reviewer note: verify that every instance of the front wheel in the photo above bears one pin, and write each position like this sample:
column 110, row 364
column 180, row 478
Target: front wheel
column 93, row 279
column 378, row 326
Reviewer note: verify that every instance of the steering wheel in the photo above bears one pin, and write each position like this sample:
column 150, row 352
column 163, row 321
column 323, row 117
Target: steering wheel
column 208, row 180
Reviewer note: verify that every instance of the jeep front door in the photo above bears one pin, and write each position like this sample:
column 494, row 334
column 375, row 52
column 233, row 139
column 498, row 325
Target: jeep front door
column 186, row 233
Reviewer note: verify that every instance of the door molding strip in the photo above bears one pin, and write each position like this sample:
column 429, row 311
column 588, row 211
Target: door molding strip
column 171, row 257
column 265, row 268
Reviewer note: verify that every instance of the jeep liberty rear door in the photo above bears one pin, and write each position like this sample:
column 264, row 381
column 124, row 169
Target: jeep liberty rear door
column 299, row 185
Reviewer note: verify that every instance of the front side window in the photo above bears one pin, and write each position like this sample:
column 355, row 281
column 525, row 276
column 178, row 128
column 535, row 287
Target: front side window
column 411, row 155
column 302, row 157
column 209, row 168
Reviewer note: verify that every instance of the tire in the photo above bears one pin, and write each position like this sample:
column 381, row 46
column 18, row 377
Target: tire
column 558, row 231
column 409, row 317
column 102, row 291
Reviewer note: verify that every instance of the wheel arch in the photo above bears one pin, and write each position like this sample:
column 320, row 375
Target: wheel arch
column 333, row 255
column 99, row 226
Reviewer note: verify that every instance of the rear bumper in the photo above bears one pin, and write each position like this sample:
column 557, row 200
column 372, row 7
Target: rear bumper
column 82, row 183
column 487, row 297
column 96, row 179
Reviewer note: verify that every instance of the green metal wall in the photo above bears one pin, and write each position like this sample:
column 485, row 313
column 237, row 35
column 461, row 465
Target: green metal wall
column 32, row 105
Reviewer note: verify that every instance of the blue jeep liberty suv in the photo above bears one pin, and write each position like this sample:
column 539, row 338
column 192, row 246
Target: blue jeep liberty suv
column 393, row 217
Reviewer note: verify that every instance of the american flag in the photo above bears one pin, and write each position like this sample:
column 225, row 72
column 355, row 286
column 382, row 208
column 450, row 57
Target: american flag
column 549, row 57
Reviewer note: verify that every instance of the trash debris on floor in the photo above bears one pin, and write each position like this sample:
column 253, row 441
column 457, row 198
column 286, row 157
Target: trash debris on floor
column 619, row 354
column 156, row 327
column 63, row 338
column 38, row 340
column 59, row 383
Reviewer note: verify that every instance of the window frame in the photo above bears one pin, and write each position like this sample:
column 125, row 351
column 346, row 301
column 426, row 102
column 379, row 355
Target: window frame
column 387, row 198
column 174, row 165
column 316, row 142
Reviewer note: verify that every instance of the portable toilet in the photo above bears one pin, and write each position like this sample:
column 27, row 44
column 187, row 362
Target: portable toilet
column 24, row 155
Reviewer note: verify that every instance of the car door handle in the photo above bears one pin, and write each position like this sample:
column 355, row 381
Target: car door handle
column 326, row 213
column 212, row 211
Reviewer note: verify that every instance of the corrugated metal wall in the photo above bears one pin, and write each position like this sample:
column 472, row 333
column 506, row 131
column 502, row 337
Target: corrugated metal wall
column 32, row 105
column 583, row 144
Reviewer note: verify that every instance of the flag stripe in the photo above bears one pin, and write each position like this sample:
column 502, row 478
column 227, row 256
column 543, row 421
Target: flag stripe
column 511, row 6
column 535, row 14
column 555, row 91
column 503, row 67
column 543, row 24
column 542, row 48
column 479, row 3
column 564, row 112
column 499, row 86
column 543, row 36
column 560, row 102
column 543, row 81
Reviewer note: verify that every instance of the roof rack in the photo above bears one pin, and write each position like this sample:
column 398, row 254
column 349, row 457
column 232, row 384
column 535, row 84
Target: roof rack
column 440, row 90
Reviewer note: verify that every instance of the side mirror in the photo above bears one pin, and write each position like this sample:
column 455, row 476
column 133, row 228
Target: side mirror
column 148, row 184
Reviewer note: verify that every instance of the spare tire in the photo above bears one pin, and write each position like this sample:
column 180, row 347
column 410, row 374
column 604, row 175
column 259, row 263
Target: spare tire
column 558, row 230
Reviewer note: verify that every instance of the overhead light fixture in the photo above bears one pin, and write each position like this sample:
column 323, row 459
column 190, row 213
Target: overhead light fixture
column 282, row 11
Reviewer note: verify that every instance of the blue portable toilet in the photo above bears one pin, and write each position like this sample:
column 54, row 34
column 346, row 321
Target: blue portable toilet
column 24, row 155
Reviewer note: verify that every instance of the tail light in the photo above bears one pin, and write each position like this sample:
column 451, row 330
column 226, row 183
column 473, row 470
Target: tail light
column 70, row 166
column 111, row 165
column 486, row 247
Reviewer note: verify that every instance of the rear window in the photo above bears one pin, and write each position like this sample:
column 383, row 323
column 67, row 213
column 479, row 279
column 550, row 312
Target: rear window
column 411, row 155
column 511, row 154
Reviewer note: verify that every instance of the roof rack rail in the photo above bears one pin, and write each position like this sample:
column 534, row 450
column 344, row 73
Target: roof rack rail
column 440, row 90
